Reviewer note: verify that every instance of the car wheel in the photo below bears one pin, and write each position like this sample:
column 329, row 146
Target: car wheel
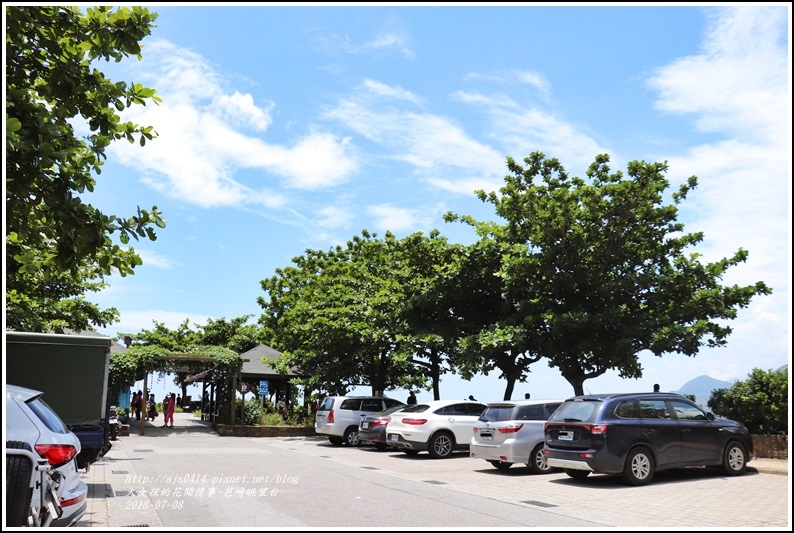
column 336, row 441
column 441, row 445
column 18, row 490
column 537, row 461
column 639, row 467
column 501, row 465
column 734, row 462
column 577, row 474
column 351, row 436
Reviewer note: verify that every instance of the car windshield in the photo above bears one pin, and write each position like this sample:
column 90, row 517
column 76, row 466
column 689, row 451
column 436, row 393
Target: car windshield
column 390, row 410
column 576, row 411
column 498, row 414
column 418, row 408
column 327, row 405
column 45, row 413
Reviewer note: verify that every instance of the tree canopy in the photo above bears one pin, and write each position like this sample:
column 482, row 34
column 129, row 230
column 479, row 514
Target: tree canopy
column 586, row 274
column 596, row 271
column 333, row 316
column 61, row 115
column 760, row 402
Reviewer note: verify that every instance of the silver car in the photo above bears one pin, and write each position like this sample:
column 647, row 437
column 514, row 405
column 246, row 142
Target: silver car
column 338, row 417
column 35, row 432
column 511, row 432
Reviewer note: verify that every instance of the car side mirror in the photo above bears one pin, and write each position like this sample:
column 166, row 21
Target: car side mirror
column 710, row 416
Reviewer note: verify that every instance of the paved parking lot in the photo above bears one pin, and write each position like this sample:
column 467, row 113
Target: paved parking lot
column 190, row 476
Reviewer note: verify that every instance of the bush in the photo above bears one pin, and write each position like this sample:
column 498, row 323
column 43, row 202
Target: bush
column 760, row 403
column 272, row 419
column 252, row 413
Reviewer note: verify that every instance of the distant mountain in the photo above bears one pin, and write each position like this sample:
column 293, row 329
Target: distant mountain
column 702, row 386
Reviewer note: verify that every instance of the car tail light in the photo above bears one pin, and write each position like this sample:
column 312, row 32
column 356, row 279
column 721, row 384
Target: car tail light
column 380, row 422
column 597, row 429
column 414, row 421
column 476, row 429
column 57, row 454
column 330, row 419
column 67, row 503
column 512, row 428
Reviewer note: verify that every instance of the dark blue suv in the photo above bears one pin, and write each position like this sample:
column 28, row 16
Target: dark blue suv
column 635, row 435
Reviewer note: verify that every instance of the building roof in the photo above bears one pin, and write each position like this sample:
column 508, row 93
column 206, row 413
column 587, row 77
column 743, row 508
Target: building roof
column 255, row 365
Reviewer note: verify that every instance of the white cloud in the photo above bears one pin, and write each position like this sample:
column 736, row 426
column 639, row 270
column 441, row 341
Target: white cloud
column 381, row 89
column 389, row 40
column 403, row 220
column 499, row 100
column 203, row 145
column 384, row 41
column 536, row 80
column 739, row 83
column 334, row 217
column 239, row 109
column 436, row 146
column 155, row 259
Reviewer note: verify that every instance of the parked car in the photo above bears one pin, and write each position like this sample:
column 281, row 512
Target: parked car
column 636, row 435
column 511, row 432
column 372, row 428
column 440, row 427
column 32, row 426
column 338, row 417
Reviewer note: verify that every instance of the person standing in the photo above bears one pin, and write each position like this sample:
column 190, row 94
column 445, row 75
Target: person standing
column 526, row 396
column 411, row 398
column 151, row 413
column 168, row 410
column 138, row 403
column 656, row 387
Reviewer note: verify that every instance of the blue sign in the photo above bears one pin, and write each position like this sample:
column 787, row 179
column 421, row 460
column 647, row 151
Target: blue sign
column 263, row 386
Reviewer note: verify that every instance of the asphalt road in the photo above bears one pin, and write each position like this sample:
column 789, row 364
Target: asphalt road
column 191, row 477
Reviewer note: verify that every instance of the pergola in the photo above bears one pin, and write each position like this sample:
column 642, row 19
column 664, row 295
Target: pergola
column 220, row 365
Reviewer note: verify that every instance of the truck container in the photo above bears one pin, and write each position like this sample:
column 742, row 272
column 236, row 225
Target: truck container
column 72, row 372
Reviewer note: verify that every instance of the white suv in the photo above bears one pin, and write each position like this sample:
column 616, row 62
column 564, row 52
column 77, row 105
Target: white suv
column 512, row 432
column 440, row 427
column 338, row 416
column 37, row 441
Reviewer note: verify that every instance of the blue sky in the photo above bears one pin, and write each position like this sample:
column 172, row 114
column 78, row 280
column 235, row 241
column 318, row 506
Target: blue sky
column 284, row 128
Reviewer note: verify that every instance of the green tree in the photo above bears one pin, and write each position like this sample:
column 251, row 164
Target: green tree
column 426, row 269
column 760, row 402
column 498, row 334
column 597, row 271
column 335, row 316
column 234, row 335
column 58, row 248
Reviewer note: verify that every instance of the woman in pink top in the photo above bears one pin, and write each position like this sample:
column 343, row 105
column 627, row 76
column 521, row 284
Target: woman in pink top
column 168, row 409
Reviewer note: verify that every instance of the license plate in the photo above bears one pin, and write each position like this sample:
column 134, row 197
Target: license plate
column 486, row 436
column 565, row 435
column 394, row 438
column 364, row 425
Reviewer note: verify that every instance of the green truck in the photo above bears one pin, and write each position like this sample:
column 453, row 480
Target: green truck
column 72, row 372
